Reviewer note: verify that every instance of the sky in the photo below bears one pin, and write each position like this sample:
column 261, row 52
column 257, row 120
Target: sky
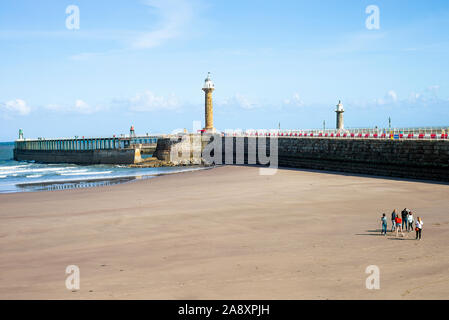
column 287, row 63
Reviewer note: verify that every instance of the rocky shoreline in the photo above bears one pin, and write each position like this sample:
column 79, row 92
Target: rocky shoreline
column 154, row 162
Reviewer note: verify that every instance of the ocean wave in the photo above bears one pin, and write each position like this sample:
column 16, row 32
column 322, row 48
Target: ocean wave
column 84, row 173
column 34, row 176
column 1, row 177
column 14, row 167
column 35, row 170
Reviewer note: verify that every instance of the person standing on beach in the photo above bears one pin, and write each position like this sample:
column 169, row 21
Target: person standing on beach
column 393, row 220
column 404, row 219
column 418, row 225
column 410, row 221
column 399, row 226
column 384, row 224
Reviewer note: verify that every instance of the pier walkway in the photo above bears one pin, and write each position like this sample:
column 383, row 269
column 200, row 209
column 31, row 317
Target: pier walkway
column 81, row 144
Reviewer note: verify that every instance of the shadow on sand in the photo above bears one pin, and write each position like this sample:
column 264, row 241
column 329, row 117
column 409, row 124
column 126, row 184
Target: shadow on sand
column 351, row 174
column 375, row 232
column 400, row 238
column 390, row 235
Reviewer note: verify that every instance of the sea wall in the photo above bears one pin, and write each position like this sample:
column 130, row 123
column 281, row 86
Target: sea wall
column 180, row 150
column 415, row 159
column 83, row 157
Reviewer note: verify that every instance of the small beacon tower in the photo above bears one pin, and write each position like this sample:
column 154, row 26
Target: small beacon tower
column 208, row 88
column 340, row 111
column 132, row 133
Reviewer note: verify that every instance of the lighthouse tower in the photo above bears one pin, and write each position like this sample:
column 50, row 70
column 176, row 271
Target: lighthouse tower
column 339, row 111
column 208, row 88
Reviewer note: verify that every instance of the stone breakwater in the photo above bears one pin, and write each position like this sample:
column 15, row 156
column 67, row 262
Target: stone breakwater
column 415, row 159
column 81, row 157
column 181, row 150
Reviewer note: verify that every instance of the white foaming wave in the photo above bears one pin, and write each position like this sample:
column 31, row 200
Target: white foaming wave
column 14, row 167
column 1, row 177
column 71, row 171
column 34, row 176
column 35, row 170
column 85, row 173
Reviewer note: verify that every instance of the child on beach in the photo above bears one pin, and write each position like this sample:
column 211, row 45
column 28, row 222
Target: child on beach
column 418, row 225
column 384, row 224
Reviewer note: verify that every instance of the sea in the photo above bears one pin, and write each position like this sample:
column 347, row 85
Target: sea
column 25, row 176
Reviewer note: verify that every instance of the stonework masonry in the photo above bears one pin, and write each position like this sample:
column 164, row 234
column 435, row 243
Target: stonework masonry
column 209, row 114
column 83, row 157
column 414, row 159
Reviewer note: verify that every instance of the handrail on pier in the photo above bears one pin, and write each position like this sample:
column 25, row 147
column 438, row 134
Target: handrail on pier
column 83, row 144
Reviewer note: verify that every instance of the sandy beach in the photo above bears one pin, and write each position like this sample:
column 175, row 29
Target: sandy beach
column 225, row 233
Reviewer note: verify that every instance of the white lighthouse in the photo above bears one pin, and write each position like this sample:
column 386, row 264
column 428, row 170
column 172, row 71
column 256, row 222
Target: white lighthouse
column 208, row 88
column 340, row 110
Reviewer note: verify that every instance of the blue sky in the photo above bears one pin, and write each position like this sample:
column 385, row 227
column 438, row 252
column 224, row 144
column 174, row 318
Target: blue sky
column 143, row 63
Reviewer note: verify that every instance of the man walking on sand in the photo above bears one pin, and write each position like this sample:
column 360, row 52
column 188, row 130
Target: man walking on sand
column 404, row 219
column 393, row 220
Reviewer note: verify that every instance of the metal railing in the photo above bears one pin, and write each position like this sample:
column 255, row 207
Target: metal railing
column 83, row 143
column 429, row 133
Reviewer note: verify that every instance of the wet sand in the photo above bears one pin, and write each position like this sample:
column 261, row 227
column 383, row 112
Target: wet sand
column 225, row 233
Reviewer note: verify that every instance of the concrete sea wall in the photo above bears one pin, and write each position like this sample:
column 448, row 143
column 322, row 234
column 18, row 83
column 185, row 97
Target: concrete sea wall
column 180, row 150
column 415, row 159
column 83, row 157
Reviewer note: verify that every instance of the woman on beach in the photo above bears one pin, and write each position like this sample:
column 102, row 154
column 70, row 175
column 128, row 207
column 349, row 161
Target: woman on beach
column 384, row 224
column 399, row 226
column 418, row 225
column 410, row 221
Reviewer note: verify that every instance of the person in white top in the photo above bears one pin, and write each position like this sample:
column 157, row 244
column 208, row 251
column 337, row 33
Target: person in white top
column 410, row 221
column 418, row 225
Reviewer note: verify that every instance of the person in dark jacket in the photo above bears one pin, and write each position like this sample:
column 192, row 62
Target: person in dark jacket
column 393, row 220
column 404, row 219
column 383, row 220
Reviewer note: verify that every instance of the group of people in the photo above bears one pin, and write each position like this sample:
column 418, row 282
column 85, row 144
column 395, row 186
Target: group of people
column 401, row 222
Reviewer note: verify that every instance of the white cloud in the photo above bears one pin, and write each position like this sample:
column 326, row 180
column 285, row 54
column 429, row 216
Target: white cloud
column 82, row 107
column 414, row 96
column 295, row 100
column 238, row 100
column 149, row 101
column 175, row 16
column 17, row 106
column 390, row 97
column 434, row 88
column 79, row 106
